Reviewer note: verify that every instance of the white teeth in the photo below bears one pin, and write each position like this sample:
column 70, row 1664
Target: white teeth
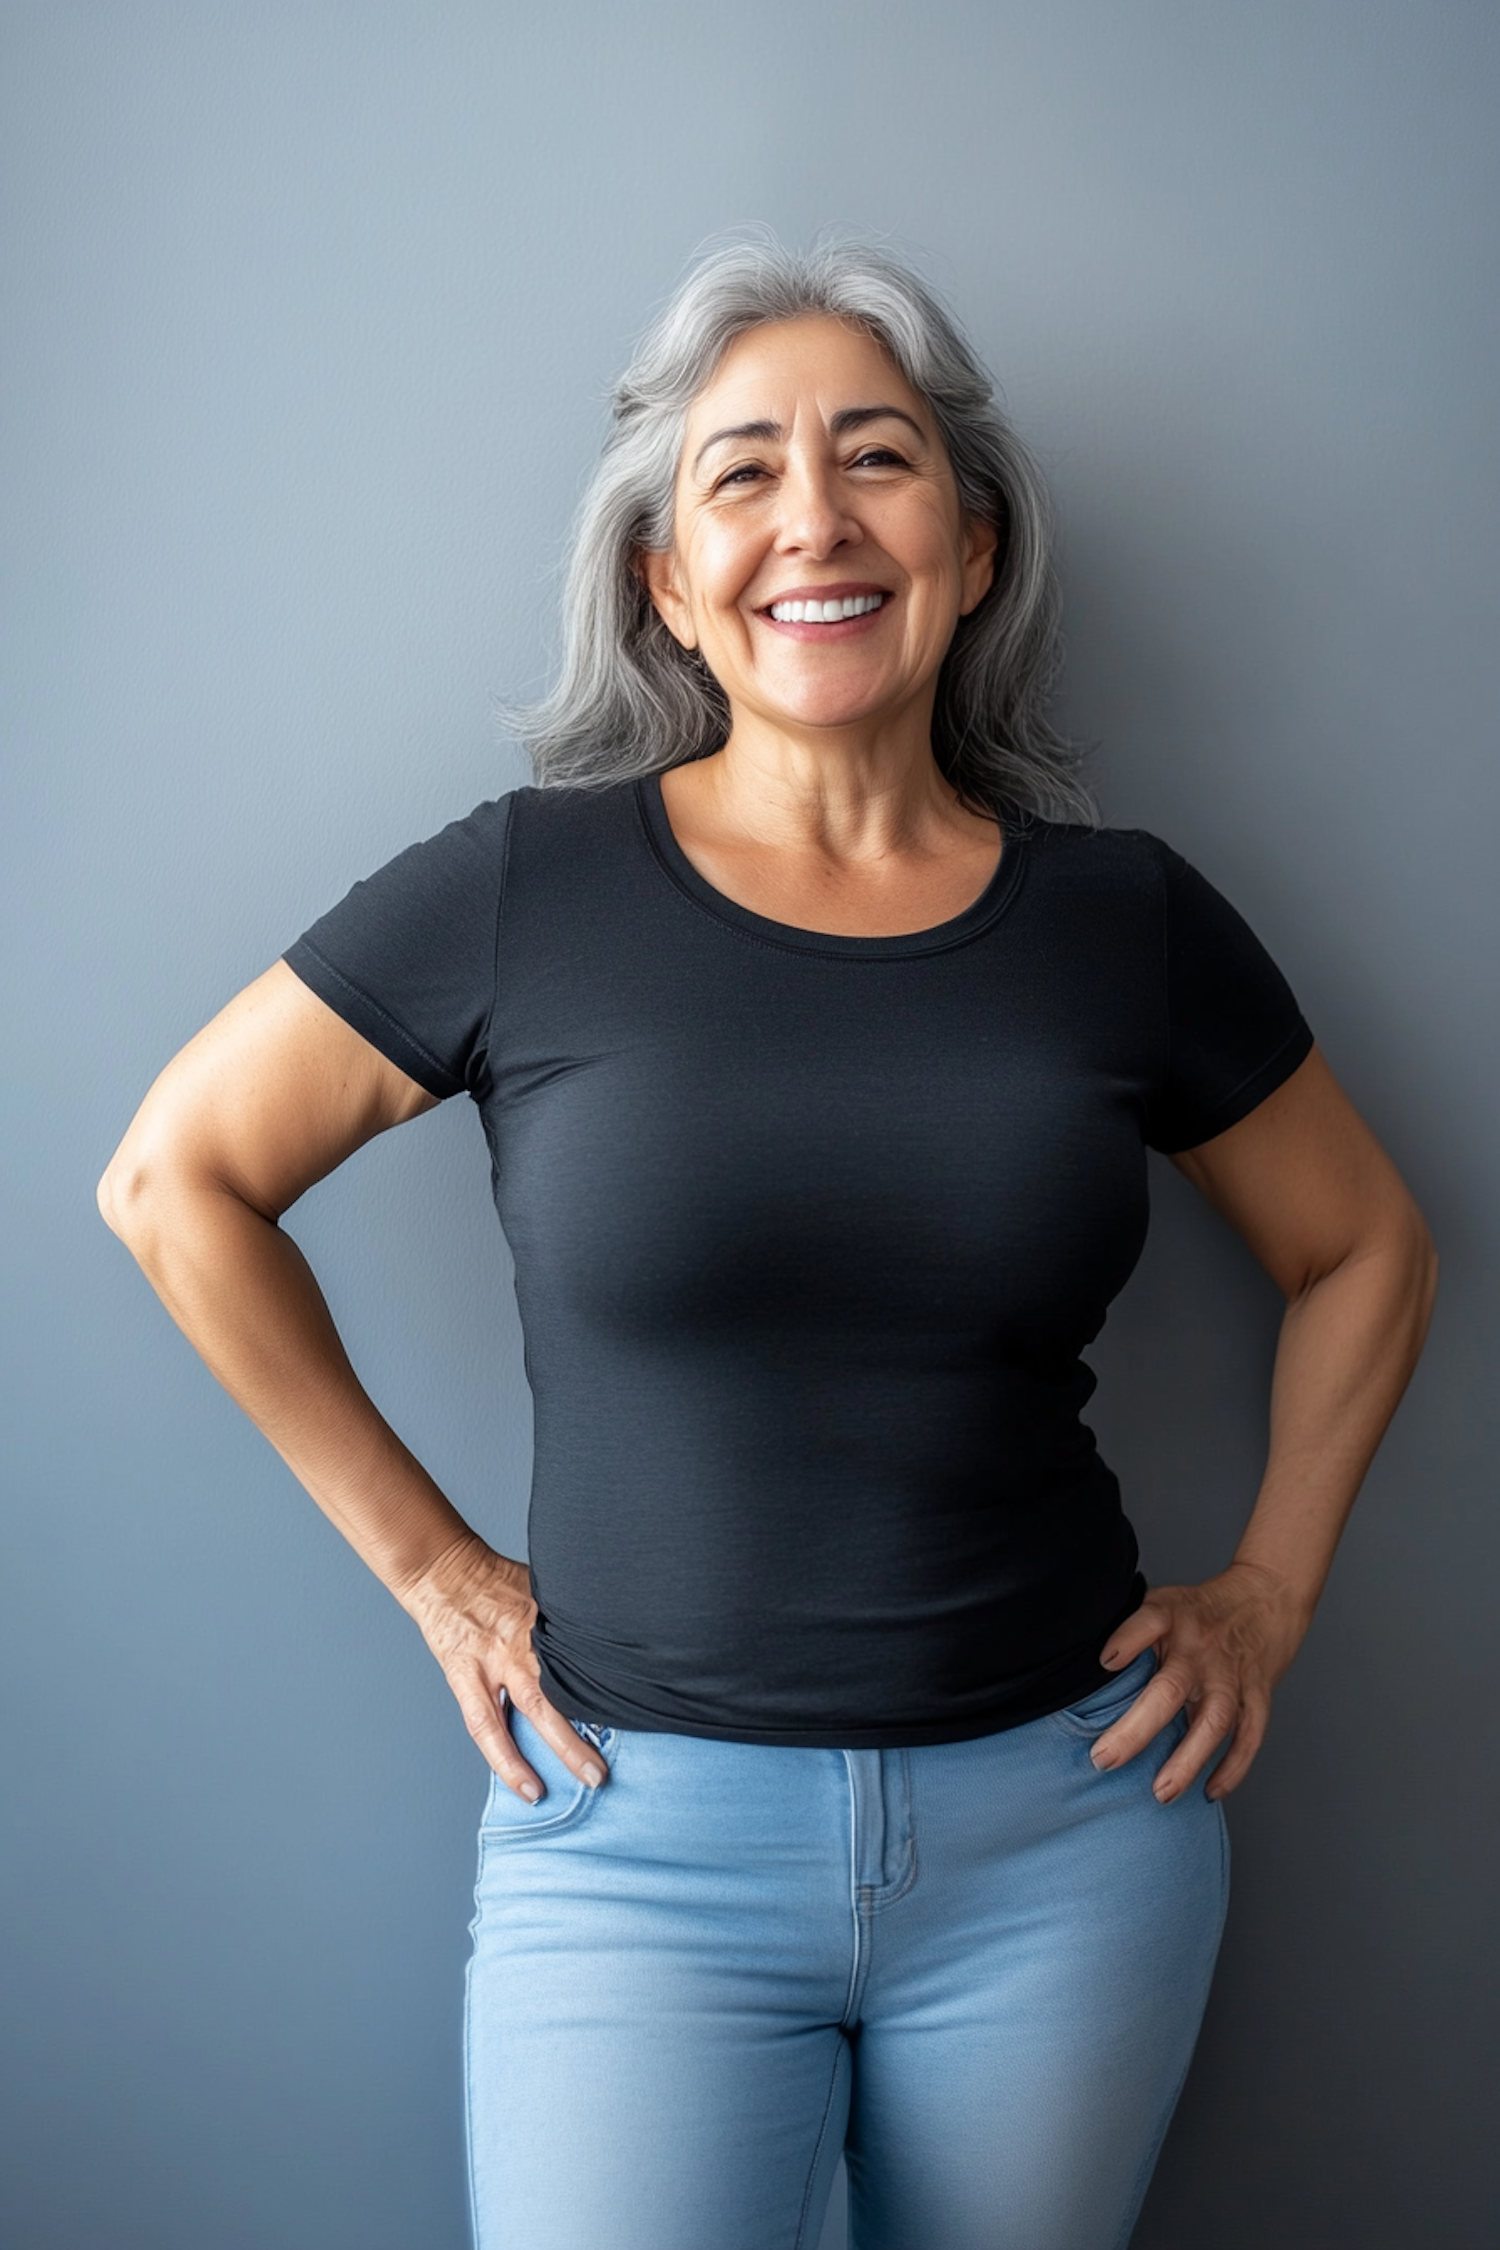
column 825, row 613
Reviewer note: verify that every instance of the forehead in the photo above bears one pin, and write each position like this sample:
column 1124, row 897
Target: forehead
column 815, row 360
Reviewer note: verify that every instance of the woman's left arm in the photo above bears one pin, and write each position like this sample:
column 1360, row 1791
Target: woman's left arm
column 1305, row 1182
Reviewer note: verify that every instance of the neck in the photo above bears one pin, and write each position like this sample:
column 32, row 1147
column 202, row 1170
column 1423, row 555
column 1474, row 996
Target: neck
column 847, row 794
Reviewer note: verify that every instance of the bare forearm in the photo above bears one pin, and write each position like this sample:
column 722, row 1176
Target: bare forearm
column 1347, row 1349
column 270, row 1097
column 1305, row 1183
column 247, row 1300
column 1348, row 1346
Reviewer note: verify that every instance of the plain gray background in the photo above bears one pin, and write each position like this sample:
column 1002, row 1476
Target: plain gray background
column 310, row 312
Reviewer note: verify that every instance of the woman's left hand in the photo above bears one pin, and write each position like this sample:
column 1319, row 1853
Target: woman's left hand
column 1221, row 1648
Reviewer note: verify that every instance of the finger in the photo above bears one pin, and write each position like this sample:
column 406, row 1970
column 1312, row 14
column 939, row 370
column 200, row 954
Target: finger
column 560, row 1735
column 1156, row 1706
column 1142, row 1629
column 1213, row 1723
column 482, row 1715
column 1240, row 1756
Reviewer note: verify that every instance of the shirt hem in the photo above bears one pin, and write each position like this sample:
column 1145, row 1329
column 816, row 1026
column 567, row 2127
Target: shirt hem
column 1066, row 1683
column 1248, row 1095
column 370, row 1020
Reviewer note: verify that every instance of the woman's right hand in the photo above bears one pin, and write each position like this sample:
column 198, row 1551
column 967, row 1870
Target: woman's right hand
column 476, row 1613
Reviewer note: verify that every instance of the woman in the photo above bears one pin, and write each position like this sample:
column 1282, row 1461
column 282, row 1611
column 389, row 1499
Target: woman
column 818, row 1037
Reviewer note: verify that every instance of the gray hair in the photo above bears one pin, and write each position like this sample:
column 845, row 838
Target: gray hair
column 631, row 700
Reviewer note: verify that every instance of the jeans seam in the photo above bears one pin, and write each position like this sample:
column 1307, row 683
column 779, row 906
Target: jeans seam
column 471, row 2137
column 812, row 2170
column 1149, row 2160
column 856, row 1905
column 892, row 1894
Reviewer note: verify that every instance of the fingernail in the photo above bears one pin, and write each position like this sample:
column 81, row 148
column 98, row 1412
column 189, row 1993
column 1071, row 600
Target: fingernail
column 1165, row 1791
column 531, row 1791
column 1101, row 1760
column 1110, row 1659
column 593, row 1775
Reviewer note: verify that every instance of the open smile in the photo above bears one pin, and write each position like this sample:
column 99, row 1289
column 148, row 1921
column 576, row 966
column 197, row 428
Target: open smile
column 821, row 613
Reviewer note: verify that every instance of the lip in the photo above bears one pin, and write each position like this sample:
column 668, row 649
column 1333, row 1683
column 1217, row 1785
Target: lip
column 845, row 590
column 842, row 628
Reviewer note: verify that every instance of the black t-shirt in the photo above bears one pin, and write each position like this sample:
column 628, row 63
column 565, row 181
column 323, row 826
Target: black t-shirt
column 810, row 1233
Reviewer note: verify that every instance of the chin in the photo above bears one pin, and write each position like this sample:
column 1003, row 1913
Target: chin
column 830, row 710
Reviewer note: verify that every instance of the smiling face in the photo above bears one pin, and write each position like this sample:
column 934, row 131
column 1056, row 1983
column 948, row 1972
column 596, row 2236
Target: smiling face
column 821, row 558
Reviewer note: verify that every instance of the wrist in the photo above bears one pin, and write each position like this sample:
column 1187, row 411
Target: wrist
column 438, row 1575
column 1289, row 1592
column 458, row 1570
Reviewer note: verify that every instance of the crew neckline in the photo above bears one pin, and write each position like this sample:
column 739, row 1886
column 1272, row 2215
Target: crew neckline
column 975, row 917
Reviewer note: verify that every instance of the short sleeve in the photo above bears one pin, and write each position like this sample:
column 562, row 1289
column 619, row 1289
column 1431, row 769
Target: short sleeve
column 408, row 957
column 1234, row 1031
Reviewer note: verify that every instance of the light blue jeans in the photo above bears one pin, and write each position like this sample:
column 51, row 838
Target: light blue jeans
column 977, row 1969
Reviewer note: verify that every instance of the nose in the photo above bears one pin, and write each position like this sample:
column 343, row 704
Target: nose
column 815, row 518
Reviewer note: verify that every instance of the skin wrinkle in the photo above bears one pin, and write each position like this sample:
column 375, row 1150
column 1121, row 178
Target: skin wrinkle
column 840, row 424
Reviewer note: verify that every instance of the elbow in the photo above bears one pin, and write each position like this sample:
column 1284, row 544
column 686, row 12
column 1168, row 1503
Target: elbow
column 1425, row 1272
column 104, row 1196
column 136, row 1196
column 123, row 1195
column 1412, row 1265
column 1387, row 1276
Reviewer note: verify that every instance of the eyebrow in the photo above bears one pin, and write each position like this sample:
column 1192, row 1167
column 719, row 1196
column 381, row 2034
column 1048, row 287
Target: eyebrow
column 847, row 418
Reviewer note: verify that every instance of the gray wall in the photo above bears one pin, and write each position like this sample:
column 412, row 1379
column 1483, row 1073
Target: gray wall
column 309, row 314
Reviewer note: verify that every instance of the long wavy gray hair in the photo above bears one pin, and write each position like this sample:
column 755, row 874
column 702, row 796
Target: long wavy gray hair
column 630, row 700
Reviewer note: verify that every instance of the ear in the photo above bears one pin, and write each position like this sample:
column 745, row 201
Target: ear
column 981, row 543
column 656, row 567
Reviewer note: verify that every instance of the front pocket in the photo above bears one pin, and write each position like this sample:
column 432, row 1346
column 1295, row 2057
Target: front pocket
column 1110, row 1701
column 508, row 1817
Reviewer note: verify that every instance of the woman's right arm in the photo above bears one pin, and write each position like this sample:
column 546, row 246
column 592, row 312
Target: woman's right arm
column 270, row 1097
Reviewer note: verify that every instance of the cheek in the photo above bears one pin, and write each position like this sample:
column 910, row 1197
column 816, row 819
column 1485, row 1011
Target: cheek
column 720, row 565
column 928, row 541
